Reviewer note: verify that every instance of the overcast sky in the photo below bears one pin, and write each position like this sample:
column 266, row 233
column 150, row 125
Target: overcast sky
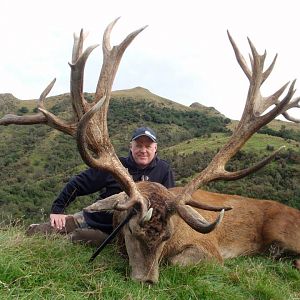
column 184, row 54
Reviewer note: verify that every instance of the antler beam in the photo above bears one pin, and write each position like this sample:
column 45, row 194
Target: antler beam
column 92, row 133
column 253, row 118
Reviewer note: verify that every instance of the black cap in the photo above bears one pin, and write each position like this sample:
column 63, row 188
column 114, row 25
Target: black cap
column 144, row 131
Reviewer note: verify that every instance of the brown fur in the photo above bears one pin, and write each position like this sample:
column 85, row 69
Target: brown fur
column 253, row 226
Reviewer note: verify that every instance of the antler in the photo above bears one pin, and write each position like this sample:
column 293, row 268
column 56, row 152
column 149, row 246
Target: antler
column 92, row 133
column 89, row 125
column 253, row 118
column 43, row 117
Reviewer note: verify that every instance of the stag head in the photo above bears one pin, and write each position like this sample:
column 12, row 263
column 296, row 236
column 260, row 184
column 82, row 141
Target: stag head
column 146, row 237
column 156, row 208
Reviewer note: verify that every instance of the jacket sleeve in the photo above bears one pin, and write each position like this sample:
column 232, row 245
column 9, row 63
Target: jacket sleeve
column 86, row 183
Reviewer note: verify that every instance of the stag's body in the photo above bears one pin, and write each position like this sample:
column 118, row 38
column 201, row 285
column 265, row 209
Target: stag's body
column 252, row 227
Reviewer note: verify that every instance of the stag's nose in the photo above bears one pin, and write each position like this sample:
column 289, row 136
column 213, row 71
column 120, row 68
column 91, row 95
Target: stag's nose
column 146, row 271
column 147, row 279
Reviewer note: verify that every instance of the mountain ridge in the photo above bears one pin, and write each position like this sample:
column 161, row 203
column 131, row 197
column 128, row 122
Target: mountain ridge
column 10, row 104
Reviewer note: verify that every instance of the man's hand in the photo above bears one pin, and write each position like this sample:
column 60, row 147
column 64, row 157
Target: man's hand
column 58, row 221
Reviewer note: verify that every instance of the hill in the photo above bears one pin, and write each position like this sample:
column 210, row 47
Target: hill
column 203, row 108
column 8, row 103
column 36, row 160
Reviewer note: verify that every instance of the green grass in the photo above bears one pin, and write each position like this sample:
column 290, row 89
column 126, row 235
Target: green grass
column 53, row 268
column 275, row 125
column 258, row 142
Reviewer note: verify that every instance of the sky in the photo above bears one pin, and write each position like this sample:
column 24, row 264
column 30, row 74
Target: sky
column 183, row 55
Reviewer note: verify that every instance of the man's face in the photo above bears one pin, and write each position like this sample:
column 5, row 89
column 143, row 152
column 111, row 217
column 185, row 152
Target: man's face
column 143, row 150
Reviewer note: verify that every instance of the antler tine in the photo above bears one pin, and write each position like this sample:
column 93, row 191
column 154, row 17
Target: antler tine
column 267, row 73
column 45, row 93
column 43, row 117
column 281, row 106
column 239, row 57
column 78, row 45
column 252, row 120
column 79, row 104
column 290, row 118
column 23, row 120
column 295, row 103
column 243, row 173
column 51, row 119
column 32, row 119
column 266, row 102
column 196, row 220
column 111, row 60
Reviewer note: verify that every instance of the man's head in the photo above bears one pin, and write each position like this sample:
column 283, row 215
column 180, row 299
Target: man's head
column 143, row 146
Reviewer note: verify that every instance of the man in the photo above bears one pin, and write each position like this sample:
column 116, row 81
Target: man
column 93, row 227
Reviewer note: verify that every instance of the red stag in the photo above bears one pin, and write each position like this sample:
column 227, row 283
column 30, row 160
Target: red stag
column 179, row 225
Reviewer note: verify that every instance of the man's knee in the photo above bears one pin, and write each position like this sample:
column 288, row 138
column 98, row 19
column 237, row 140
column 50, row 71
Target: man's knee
column 46, row 228
column 71, row 224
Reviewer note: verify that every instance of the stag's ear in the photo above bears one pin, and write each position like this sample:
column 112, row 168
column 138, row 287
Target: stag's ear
column 195, row 220
column 109, row 203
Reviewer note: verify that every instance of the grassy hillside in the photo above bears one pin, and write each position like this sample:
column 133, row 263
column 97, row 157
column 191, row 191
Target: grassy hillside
column 51, row 268
column 258, row 143
column 37, row 161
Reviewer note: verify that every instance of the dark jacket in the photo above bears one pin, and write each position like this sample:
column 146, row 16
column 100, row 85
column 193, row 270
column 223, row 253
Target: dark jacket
column 94, row 180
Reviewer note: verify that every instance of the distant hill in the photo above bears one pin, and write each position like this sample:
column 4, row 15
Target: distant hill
column 209, row 110
column 8, row 103
column 139, row 93
column 136, row 94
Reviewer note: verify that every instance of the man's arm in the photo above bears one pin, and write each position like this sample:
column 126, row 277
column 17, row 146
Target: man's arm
column 87, row 182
